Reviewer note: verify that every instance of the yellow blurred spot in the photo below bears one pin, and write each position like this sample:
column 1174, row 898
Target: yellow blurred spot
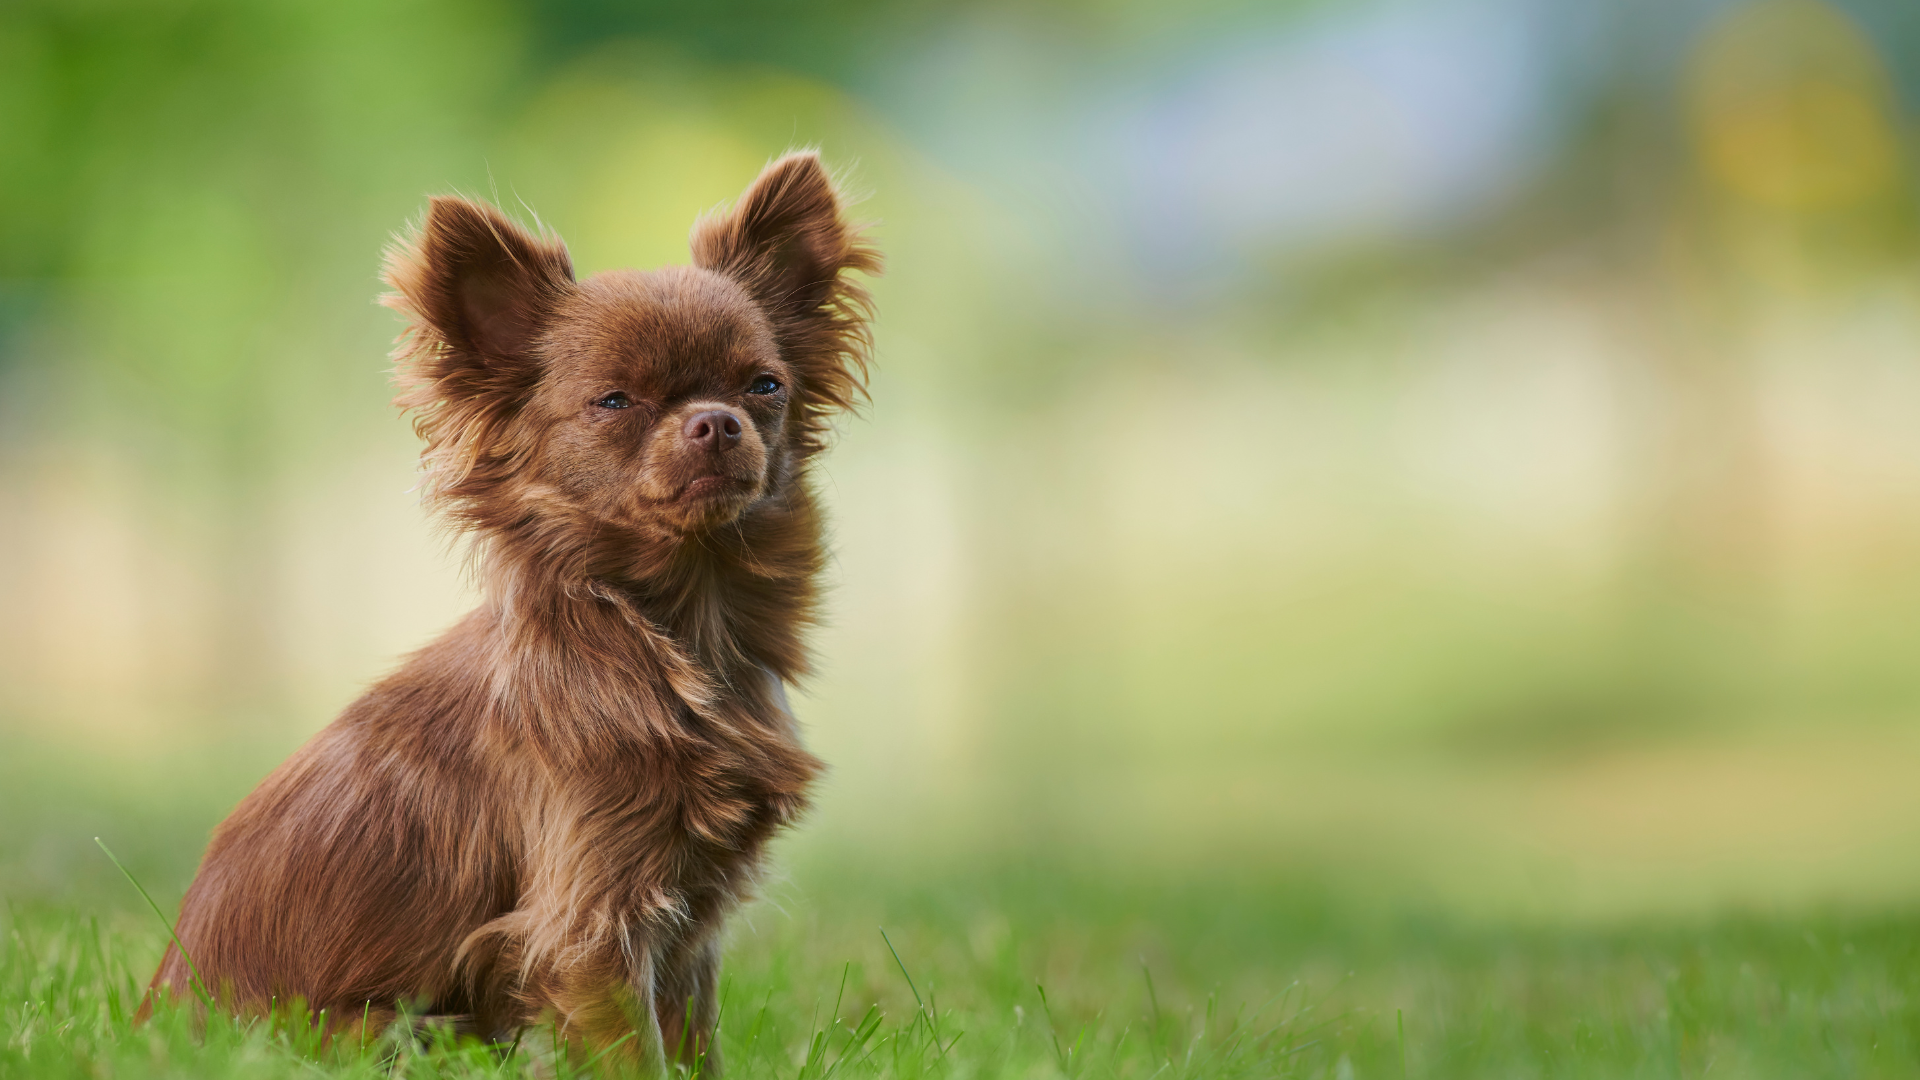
column 1790, row 107
column 653, row 181
column 629, row 145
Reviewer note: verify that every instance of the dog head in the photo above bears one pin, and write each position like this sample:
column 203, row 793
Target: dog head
column 658, row 404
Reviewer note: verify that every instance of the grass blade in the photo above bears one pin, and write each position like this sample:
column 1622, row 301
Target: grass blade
column 193, row 970
column 903, row 969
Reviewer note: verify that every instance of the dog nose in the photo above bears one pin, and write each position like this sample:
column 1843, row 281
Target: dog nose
column 715, row 430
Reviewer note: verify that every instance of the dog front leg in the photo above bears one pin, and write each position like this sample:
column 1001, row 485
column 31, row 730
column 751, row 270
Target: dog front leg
column 687, row 1001
column 603, row 1007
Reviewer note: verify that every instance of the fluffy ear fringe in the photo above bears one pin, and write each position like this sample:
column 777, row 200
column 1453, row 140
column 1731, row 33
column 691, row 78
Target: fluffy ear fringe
column 788, row 242
column 461, row 401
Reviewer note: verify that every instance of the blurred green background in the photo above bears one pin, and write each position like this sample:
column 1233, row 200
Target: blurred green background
column 1464, row 450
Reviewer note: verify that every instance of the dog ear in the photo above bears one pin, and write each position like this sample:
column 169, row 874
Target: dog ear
column 478, row 288
column 787, row 242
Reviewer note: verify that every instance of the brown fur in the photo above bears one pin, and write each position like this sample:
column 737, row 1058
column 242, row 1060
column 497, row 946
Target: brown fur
column 547, row 813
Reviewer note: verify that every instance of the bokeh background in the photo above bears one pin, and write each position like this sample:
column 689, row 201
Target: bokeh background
column 1467, row 451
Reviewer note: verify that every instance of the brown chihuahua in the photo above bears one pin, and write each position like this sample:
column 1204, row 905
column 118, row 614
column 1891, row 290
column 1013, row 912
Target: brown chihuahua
column 545, row 815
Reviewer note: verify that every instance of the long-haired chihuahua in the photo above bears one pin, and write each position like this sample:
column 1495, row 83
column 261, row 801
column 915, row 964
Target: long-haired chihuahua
column 546, row 814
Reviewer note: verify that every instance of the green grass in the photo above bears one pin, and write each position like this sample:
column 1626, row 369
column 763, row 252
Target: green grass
column 1040, row 971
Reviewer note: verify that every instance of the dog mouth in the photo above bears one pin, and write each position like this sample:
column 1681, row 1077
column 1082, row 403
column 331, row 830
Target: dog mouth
column 709, row 487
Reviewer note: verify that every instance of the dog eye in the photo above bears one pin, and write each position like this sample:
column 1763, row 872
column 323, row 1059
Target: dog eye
column 765, row 384
column 615, row 400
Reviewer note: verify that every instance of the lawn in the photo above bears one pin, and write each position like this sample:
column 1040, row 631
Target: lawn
column 1043, row 968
